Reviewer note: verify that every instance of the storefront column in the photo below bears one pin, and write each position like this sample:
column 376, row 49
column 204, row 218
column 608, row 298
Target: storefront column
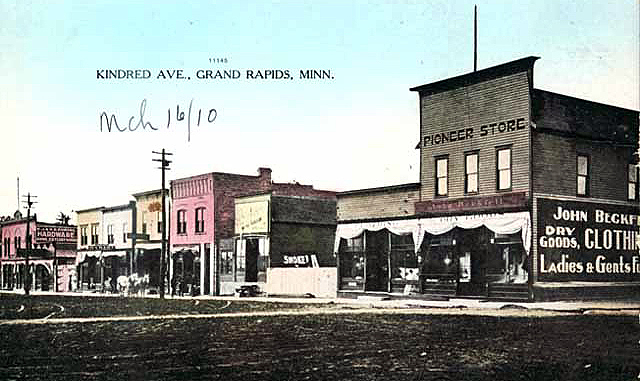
column 213, row 269
column 364, row 254
column 32, row 277
column 389, row 262
column 171, row 270
column 202, row 266
column 101, row 274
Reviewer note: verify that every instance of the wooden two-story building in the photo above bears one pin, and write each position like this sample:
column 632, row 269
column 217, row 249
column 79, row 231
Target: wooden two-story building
column 524, row 194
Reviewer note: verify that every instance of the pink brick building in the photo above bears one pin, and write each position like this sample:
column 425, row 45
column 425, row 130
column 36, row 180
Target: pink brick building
column 202, row 222
column 51, row 258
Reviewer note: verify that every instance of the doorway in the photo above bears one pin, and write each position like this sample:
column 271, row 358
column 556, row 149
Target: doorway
column 472, row 261
column 377, row 261
column 251, row 267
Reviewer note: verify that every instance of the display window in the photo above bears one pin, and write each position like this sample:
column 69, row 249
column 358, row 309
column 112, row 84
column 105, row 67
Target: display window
column 352, row 263
column 439, row 258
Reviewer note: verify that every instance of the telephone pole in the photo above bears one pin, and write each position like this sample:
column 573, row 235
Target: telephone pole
column 164, row 165
column 27, row 280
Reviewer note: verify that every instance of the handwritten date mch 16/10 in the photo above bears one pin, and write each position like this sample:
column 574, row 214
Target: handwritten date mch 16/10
column 208, row 116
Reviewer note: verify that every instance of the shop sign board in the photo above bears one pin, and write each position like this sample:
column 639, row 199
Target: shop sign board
column 494, row 127
column 138, row 236
column 252, row 217
column 298, row 260
column 582, row 241
column 511, row 200
column 61, row 234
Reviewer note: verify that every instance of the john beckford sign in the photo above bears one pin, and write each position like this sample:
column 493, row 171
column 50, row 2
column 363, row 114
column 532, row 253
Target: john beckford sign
column 580, row 241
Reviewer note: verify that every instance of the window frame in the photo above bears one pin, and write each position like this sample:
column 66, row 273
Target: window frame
column 84, row 235
column 181, row 221
column 633, row 197
column 94, row 237
column 199, row 223
column 499, row 149
column 110, row 237
column 437, row 178
column 586, row 177
column 475, row 153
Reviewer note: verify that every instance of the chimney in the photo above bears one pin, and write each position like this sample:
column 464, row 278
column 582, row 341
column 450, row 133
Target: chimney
column 265, row 178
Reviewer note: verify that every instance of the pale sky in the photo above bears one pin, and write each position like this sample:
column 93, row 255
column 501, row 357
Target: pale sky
column 357, row 130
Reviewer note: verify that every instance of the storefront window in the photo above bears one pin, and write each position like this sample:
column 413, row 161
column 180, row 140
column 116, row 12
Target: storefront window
column 352, row 258
column 507, row 261
column 226, row 265
column 404, row 261
column 439, row 262
column 240, row 258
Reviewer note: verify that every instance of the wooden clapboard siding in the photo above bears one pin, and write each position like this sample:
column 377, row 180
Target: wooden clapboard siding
column 490, row 101
column 555, row 166
column 386, row 202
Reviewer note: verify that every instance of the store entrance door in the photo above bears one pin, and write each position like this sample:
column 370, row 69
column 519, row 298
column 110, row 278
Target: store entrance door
column 377, row 272
column 252, row 253
column 377, row 262
column 472, row 269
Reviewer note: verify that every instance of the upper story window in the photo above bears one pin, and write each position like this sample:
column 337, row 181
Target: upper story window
column 124, row 232
column 471, row 172
column 84, row 236
column 583, row 175
column 503, row 168
column 110, row 238
column 18, row 242
column 442, row 176
column 182, row 222
column 200, row 212
column 633, row 182
column 94, row 234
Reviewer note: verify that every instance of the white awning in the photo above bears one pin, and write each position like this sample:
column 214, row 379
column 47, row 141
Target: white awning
column 149, row 246
column 178, row 249
column 506, row 223
column 116, row 253
column 82, row 255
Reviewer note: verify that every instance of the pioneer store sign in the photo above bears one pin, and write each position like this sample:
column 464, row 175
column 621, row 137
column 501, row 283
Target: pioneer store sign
column 579, row 241
column 465, row 133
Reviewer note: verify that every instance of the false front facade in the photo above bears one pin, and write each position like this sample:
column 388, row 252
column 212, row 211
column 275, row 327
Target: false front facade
column 499, row 159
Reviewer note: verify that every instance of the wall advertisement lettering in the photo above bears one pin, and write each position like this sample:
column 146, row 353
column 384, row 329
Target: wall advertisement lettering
column 580, row 241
